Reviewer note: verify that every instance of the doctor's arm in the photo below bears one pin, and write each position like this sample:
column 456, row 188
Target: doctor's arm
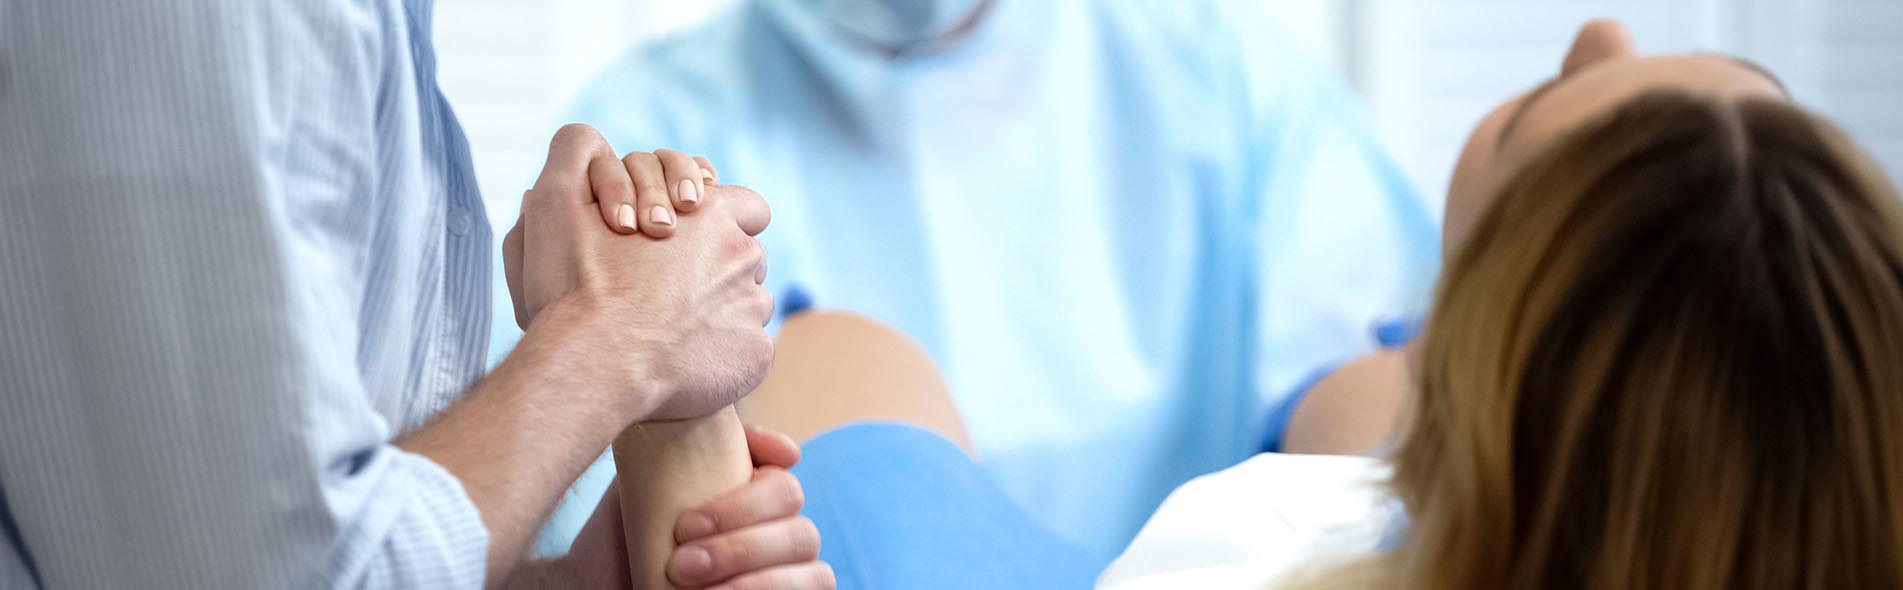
column 1342, row 242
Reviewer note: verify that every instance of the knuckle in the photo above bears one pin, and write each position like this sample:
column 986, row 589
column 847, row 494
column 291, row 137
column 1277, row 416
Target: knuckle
column 715, row 517
column 760, row 361
column 641, row 161
column 824, row 577
column 749, row 251
column 790, row 495
column 755, row 582
column 576, row 134
column 741, row 193
column 741, row 551
column 763, row 301
column 674, row 157
column 764, row 344
column 805, row 537
column 552, row 187
column 617, row 183
column 737, row 248
column 796, row 494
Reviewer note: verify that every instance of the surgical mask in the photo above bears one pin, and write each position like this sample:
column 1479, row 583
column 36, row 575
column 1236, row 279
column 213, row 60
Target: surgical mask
column 898, row 26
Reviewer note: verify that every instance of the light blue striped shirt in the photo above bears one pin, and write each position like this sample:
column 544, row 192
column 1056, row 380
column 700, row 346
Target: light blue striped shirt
column 240, row 249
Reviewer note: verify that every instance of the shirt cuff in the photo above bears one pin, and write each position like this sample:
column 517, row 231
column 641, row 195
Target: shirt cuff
column 422, row 531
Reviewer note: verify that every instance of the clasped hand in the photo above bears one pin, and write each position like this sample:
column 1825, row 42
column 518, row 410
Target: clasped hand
column 682, row 319
column 665, row 257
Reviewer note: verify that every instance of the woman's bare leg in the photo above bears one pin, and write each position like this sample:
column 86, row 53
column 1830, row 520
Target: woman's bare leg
column 1353, row 411
column 832, row 369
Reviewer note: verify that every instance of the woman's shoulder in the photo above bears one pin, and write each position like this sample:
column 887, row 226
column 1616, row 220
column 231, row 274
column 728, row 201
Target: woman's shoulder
column 1256, row 522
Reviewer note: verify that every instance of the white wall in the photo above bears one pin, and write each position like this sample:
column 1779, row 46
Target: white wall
column 509, row 68
column 1430, row 68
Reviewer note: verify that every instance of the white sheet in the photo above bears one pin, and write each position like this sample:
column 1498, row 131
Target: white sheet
column 1255, row 524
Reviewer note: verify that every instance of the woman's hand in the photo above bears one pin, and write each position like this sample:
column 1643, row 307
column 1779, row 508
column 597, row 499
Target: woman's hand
column 666, row 183
column 645, row 193
column 690, row 309
column 753, row 538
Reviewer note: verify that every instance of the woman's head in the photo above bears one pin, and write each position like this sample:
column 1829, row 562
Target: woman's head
column 1600, row 72
column 1668, row 347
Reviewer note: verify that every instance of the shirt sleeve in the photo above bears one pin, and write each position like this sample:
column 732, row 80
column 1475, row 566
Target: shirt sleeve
column 181, row 404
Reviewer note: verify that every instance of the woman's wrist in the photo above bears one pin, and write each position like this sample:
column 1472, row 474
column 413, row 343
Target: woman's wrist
column 667, row 468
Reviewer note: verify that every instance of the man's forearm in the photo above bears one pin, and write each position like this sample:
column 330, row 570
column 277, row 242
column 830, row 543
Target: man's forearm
column 522, row 434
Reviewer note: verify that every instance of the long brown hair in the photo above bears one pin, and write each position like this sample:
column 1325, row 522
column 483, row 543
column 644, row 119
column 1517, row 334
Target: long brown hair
column 1670, row 356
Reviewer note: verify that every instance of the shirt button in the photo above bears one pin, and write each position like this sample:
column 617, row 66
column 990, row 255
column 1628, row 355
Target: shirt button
column 460, row 220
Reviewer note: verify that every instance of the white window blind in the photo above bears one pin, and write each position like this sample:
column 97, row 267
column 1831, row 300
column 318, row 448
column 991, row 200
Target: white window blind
column 1432, row 68
column 1850, row 65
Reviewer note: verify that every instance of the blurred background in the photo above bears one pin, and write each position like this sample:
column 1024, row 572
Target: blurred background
column 1055, row 377
column 1429, row 68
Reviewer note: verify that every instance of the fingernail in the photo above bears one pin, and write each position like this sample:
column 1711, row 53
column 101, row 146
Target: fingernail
column 625, row 216
column 693, row 563
column 689, row 194
column 660, row 215
column 707, row 175
column 695, row 525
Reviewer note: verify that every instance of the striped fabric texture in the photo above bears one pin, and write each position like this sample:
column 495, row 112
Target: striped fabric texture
column 241, row 248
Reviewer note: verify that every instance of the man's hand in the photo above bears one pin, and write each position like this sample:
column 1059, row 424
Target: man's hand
column 681, row 319
column 619, row 329
column 633, row 196
column 752, row 538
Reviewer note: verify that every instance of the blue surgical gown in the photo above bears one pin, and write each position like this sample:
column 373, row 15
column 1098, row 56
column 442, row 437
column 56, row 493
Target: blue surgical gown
column 1126, row 229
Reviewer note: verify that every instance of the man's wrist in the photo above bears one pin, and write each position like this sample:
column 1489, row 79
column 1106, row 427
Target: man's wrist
column 575, row 349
